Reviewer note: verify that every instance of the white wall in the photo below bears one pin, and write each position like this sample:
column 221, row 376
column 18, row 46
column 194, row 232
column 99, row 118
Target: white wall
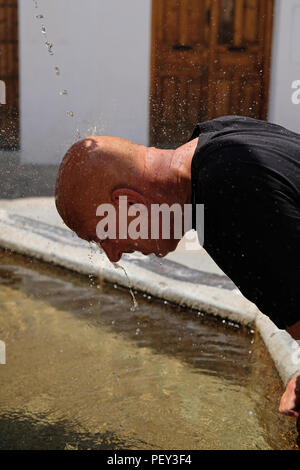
column 285, row 64
column 103, row 50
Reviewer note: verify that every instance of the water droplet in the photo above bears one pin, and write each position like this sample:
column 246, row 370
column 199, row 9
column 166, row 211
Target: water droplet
column 49, row 46
column 70, row 113
column 57, row 71
column 63, row 92
column 137, row 331
column 39, row 17
column 43, row 29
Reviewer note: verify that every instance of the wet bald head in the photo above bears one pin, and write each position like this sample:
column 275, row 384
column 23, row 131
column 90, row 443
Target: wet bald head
column 101, row 170
column 89, row 173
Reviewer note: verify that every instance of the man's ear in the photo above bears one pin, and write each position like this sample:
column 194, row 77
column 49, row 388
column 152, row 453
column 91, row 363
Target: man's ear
column 133, row 197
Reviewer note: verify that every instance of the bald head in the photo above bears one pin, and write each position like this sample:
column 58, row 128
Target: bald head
column 89, row 173
column 101, row 170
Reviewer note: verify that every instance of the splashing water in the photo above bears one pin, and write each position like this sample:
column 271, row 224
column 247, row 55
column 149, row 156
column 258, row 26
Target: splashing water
column 100, row 278
column 77, row 134
column 49, row 46
column 160, row 255
column 135, row 304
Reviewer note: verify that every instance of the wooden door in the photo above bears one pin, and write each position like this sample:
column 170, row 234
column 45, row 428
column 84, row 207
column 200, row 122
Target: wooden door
column 180, row 60
column 9, row 73
column 209, row 58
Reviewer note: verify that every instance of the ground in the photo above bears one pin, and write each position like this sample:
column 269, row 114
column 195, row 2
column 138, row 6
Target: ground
column 19, row 180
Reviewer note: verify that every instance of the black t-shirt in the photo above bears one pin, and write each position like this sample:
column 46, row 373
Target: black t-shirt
column 247, row 174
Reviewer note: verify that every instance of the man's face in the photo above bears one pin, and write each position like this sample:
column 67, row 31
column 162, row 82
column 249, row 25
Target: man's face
column 115, row 247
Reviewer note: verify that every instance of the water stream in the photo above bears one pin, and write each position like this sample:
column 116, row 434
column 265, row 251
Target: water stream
column 134, row 306
column 49, row 45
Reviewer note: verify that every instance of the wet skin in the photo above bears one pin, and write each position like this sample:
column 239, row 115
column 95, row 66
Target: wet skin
column 88, row 178
column 100, row 170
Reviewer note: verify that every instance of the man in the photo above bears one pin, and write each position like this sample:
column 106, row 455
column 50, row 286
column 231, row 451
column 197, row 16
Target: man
column 245, row 172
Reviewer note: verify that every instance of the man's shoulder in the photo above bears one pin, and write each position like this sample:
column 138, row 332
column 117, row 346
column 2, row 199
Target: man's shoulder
column 221, row 122
column 229, row 124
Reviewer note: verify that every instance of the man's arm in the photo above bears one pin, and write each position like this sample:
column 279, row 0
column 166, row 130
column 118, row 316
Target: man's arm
column 290, row 401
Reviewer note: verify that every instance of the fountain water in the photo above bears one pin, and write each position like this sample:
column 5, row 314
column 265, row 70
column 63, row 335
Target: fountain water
column 50, row 46
column 135, row 304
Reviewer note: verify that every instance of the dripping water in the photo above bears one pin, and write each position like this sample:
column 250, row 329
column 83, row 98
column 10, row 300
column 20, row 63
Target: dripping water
column 160, row 255
column 135, row 304
column 50, row 46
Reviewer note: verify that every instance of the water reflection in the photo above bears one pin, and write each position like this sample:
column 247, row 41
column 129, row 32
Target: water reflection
column 205, row 344
column 79, row 376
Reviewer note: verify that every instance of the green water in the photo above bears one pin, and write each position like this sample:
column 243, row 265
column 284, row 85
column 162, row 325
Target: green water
column 84, row 371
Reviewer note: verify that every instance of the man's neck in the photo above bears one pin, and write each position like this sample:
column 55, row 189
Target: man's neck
column 181, row 166
column 170, row 172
